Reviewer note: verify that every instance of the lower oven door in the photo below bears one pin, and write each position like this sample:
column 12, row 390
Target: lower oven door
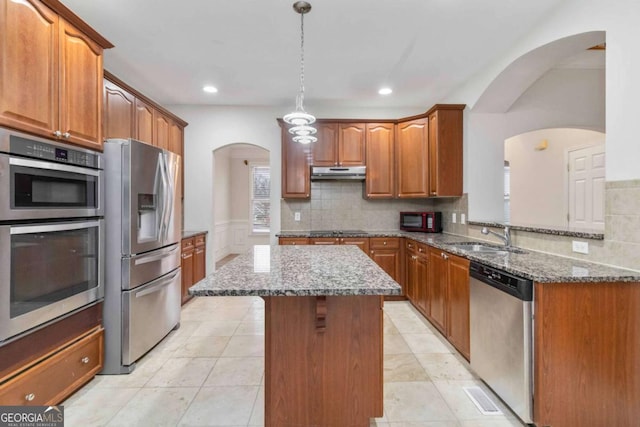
column 48, row 270
column 149, row 313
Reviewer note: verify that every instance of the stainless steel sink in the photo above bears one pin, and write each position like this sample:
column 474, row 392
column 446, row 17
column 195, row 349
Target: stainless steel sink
column 486, row 248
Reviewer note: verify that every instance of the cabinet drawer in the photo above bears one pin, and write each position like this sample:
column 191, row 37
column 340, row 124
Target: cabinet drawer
column 384, row 243
column 200, row 240
column 188, row 243
column 50, row 381
column 294, row 241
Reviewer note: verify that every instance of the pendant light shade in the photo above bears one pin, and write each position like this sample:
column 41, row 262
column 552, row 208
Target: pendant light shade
column 300, row 119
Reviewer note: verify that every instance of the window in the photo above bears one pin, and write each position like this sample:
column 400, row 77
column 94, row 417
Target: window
column 260, row 194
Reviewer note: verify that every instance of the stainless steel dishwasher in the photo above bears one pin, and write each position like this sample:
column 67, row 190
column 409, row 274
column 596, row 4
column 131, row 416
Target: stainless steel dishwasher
column 501, row 335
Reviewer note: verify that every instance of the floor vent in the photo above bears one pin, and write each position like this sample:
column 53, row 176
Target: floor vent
column 482, row 401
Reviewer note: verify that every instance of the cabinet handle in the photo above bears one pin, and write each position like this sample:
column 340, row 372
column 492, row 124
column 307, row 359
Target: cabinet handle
column 384, row 243
column 371, row 251
column 85, row 360
column 57, row 134
column 445, row 256
column 414, row 257
column 66, row 135
column 294, row 243
column 433, row 193
column 29, row 397
column 419, row 249
column 409, row 245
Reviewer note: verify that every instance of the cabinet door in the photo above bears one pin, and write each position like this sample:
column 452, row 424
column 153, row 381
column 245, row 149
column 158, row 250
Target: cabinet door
column 29, row 67
column 422, row 280
column 361, row 242
column 412, row 158
column 187, row 266
column 119, row 108
column 388, row 260
column 296, row 183
column 199, row 264
column 325, row 149
column 458, row 301
column 445, row 152
column 380, row 183
column 437, row 289
column 161, row 130
column 351, row 145
column 80, row 87
column 176, row 138
column 144, row 121
column 411, row 279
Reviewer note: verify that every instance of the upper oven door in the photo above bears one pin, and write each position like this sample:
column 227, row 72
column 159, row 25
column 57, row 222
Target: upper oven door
column 48, row 270
column 35, row 189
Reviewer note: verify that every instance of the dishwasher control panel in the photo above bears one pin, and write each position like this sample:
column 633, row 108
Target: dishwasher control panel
column 517, row 286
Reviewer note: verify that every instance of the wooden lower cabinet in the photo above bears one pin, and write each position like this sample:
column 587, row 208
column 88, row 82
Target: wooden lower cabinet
column 58, row 375
column 437, row 288
column 385, row 251
column 416, row 262
column 293, row 241
column 361, row 242
column 194, row 262
column 458, row 305
column 329, row 375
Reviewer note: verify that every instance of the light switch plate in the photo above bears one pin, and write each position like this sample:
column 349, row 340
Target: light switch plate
column 580, row 247
column 463, row 219
column 453, row 218
column 296, row 216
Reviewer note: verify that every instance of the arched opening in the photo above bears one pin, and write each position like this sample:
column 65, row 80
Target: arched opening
column 241, row 188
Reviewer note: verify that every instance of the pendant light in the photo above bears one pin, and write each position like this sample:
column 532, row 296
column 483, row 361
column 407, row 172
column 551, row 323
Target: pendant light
column 301, row 120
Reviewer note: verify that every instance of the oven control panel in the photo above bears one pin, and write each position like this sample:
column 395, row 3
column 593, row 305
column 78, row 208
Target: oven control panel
column 54, row 152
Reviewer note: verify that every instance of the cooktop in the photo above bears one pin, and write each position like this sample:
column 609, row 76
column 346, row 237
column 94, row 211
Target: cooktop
column 316, row 233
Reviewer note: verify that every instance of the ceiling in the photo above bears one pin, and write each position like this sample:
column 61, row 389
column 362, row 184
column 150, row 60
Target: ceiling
column 249, row 49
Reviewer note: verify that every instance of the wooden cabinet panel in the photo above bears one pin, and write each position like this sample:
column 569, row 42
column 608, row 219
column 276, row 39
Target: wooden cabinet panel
column 324, row 241
column 325, row 149
column 80, row 87
column 119, row 108
column 293, row 241
column 380, row 182
column 361, row 242
column 187, row 265
column 412, row 158
column 351, row 144
column 437, row 288
column 53, row 379
column 384, row 242
column 199, row 264
column 144, row 121
column 445, row 151
column 388, row 260
column 176, row 138
column 296, row 182
column 161, row 130
column 458, row 305
column 29, row 72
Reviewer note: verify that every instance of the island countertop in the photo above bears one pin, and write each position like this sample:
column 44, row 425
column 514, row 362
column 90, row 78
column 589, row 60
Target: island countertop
column 298, row 271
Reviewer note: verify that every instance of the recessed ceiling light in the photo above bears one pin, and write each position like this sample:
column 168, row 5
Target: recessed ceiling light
column 385, row 91
column 210, row 89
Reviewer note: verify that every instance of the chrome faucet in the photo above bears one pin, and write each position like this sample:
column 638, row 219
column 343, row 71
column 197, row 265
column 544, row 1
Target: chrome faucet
column 506, row 237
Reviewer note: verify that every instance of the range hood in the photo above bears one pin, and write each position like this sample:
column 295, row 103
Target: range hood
column 338, row 172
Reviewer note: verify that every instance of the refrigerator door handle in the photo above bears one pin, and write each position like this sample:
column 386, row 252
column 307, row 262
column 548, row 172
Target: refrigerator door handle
column 155, row 287
column 157, row 257
column 170, row 199
column 162, row 195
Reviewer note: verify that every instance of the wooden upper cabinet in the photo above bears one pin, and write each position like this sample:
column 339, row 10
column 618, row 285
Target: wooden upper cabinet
column 80, row 87
column 412, row 158
column 119, row 108
column 29, row 67
column 50, row 73
column 176, row 138
column 161, row 130
column 296, row 182
column 380, row 182
column 351, row 144
column 325, row 149
column 144, row 121
column 445, row 150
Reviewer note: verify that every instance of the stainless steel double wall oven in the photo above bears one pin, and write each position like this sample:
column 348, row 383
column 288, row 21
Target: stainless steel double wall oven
column 51, row 231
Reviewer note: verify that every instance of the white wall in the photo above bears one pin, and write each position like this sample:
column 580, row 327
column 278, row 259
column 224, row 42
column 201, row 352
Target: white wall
column 619, row 19
column 538, row 177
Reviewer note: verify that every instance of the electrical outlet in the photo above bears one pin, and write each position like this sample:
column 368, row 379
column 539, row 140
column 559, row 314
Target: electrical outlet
column 296, row 216
column 463, row 219
column 580, row 247
column 453, row 218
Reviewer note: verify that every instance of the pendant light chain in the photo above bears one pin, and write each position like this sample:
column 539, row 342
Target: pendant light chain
column 301, row 95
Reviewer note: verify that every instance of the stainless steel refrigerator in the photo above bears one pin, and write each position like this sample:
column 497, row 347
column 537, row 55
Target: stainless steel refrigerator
column 143, row 231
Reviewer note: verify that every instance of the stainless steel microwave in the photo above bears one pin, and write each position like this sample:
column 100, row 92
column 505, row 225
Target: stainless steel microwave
column 426, row 222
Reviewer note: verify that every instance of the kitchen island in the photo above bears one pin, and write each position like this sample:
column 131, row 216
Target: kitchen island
column 323, row 330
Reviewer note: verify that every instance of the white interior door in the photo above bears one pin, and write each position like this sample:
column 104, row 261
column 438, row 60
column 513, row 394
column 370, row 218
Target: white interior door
column 586, row 187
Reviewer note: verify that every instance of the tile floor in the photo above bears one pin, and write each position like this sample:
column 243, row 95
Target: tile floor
column 210, row 372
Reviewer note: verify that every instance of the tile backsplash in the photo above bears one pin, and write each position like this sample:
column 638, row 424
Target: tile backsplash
column 340, row 205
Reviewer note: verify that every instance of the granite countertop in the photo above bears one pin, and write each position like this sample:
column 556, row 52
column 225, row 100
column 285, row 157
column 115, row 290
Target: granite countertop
column 298, row 271
column 537, row 266
column 190, row 233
